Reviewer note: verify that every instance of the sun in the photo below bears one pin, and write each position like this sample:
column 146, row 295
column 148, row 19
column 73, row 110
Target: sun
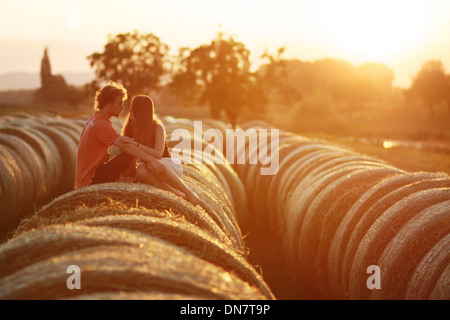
column 373, row 30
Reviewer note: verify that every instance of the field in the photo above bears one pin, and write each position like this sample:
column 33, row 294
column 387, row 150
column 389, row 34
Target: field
column 408, row 141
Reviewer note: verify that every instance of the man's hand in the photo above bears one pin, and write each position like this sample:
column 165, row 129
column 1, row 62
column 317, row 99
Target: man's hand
column 125, row 140
column 156, row 166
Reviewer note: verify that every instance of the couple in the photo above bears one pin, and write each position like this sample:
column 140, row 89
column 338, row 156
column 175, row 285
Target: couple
column 145, row 156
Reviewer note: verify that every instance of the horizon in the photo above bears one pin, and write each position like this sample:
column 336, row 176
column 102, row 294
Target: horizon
column 400, row 34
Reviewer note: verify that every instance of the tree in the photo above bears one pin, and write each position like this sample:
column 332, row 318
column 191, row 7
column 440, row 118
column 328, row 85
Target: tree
column 431, row 84
column 274, row 77
column 135, row 60
column 219, row 74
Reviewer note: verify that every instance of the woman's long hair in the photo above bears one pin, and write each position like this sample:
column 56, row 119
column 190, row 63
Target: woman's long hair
column 142, row 127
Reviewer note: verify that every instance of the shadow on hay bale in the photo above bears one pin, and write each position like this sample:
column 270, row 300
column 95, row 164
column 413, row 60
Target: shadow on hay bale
column 337, row 212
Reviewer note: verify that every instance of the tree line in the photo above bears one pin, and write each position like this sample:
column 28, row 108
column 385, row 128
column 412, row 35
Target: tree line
column 220, row 75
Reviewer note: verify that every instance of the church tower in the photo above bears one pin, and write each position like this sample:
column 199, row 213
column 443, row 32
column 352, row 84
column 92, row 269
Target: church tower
column 46, row 69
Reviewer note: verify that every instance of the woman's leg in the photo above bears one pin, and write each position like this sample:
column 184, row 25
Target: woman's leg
column 146, row 176
column 171, row 179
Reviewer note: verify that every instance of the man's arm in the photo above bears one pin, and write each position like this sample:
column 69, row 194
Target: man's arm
column 136, row 152
column 151, row 151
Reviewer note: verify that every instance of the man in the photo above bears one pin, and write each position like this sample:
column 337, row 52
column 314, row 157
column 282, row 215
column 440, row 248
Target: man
column 93, row 159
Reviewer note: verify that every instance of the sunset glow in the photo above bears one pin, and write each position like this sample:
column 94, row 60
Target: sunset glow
column 373, row 30
column 401, row 34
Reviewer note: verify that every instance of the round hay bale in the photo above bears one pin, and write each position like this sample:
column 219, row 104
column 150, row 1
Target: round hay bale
column 294, row 174
column 252, row 149
column 260, row 124
column 302, row 196
column 18, row 195
column 52, row 159
column 67, row 149
column 193, row 155
column 372, row 215
column 119, row 197
column 49, row 241
column 288, row 146
column 190, row 238
column 221, row 180
column 34, row 165
column 243, row 147
column 330, row 213
column 46, row 150
column 324, row 214
column 383, row 230
column 278, row 189
column 69, row 128
column 441, row 291
column 8, row 182
column 352, row 217
column 225, row 219
column 157, row 266
column 202, row 174
column 428, row 271
column 236, row 187
column 121, row 295
column 411, row 244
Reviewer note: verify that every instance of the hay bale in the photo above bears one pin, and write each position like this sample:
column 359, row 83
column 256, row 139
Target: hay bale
column 51, row 157
column 67, row 149
column 119, row 197
column 156, row 266
column 351, row 218
column 409, row 246
column 49, row 241
column 324, row 214
column 383, row 230
column 121, row 295
column 252, row 124
column 428, row 271
column 303, row 195
column 46, row 150
column 372, row 215
column 328, row 215
column 190, row 238
column 11, row 196
column 236, row 187
column 225, row 219
column 34, row 165
column 279, row 188
column 441, row 289
column 70, row 128
column 295, row 173
column 19, row 195
column 288, row 149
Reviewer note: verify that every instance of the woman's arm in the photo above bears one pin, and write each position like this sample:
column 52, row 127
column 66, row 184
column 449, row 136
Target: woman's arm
column 136, row 152
column 160, row 138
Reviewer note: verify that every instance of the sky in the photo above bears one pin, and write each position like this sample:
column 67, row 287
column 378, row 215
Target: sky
column 401, row 34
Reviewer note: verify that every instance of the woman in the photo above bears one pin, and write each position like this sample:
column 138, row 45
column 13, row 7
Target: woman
column 148, row 134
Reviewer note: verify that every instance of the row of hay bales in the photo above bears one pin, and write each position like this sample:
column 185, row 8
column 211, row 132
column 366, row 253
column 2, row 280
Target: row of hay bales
column 37, row 162
column 337, row 212
column 134, row 241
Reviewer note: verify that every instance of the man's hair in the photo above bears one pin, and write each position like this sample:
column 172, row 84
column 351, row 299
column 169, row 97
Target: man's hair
column 108, row 94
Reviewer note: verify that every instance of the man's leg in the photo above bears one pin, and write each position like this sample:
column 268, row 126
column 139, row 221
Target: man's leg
column 111, row 170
